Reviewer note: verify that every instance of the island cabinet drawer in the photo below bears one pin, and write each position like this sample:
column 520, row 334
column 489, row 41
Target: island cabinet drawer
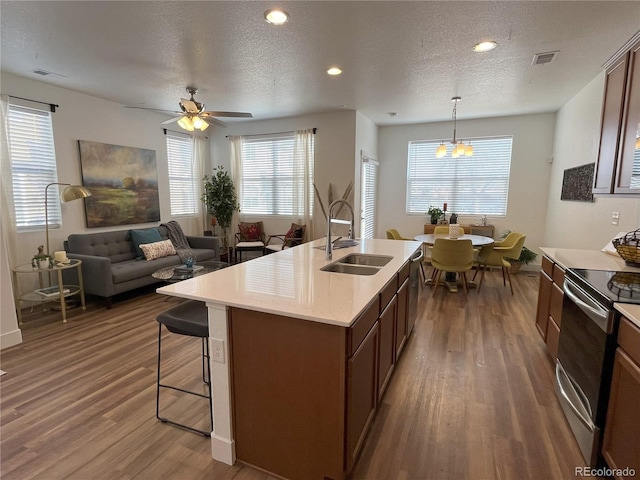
column 558, row 275
column 403, row 274
column 629, row 339
column 362, row 325
column 387, row 293
column 547, row 266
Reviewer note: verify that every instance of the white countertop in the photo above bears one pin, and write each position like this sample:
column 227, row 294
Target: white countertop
column 596, row 260
column 588, row 259
column 291, row 283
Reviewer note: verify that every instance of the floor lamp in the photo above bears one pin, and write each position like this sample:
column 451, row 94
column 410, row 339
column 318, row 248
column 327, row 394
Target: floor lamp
column 72, row 192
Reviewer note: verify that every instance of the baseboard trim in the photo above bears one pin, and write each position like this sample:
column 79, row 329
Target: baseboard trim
column 223, row 450
column 10, row 339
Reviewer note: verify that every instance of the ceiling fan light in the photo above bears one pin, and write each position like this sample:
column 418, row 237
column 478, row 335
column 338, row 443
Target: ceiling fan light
column 197, row 123
column 484, row 46
column 441, row 151
column 204, row 126
column 638, row 143
column 187, row 123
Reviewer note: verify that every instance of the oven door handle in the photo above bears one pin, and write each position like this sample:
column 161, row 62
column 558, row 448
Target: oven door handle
column 564, row 383
column 588, row 305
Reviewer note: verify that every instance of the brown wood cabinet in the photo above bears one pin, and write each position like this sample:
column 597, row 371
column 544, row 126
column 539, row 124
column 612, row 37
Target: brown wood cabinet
column 621, row 445
column 484, row 230
column 550, row 298
column 305, row 393
column 620, row 124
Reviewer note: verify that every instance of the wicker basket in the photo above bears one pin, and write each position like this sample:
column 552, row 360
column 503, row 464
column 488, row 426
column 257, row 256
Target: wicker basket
column 628, row 247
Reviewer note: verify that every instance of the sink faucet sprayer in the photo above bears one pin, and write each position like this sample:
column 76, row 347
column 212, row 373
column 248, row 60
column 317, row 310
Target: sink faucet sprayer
column 328, row 249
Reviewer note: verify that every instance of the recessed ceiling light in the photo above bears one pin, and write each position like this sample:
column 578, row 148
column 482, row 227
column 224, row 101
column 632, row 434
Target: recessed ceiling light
column 275, row 16
column 485, row 46
column 334, row 71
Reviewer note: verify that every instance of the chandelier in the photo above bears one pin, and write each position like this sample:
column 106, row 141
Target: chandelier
column 459, row 147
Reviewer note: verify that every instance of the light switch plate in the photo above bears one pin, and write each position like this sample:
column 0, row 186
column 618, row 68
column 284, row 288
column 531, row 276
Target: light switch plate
column 615, row 218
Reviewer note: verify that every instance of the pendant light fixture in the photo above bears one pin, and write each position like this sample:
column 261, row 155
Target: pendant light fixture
column 459, row 147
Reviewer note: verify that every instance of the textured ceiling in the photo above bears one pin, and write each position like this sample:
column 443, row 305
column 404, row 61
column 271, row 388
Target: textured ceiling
column 404, row 57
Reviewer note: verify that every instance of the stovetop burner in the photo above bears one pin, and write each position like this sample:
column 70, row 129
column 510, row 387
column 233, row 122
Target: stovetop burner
column 621, row 287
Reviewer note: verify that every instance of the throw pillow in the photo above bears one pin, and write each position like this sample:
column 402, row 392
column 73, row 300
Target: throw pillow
column 249, row 232
column 295, row 234
column 149, row 235
column 157, row 249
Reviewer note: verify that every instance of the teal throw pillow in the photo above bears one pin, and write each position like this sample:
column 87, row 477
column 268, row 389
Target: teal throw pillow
column 150, row 235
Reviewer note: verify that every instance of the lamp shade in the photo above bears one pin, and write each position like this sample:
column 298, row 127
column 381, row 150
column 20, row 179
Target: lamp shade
column 187, row 123
column 74, row 192
column 441, row 151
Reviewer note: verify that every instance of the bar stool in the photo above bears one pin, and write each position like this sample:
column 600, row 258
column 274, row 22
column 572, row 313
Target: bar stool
column 189, row 318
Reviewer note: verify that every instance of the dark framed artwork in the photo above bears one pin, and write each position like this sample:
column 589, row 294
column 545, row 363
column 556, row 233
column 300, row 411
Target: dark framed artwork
column 577, row 183
column 123, row 182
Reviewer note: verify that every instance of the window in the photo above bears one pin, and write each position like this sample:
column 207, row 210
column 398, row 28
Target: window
column 477, row 185
column 273, row 179
column 183, row 175
column 33, row 167
column 368, row 200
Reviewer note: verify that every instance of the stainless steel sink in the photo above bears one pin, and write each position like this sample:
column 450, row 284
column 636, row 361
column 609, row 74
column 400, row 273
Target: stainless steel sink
column 338, row 267
column 366, row 259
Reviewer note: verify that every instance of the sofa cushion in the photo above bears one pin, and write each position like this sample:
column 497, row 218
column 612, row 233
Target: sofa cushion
column 160, row 249
column 133, row 269
column 149, row 235
column 116, row 246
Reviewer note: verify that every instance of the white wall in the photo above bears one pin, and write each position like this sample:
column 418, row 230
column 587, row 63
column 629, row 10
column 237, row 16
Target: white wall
column 334, row 156
column 528, row 184
column 582, row 224
column 82, row 117
column 367, row 142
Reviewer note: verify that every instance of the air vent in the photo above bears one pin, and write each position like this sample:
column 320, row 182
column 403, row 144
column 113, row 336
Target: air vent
column 544, row 58
column 44, row 73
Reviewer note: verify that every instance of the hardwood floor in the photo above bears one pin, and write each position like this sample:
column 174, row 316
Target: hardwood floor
column 471, row 398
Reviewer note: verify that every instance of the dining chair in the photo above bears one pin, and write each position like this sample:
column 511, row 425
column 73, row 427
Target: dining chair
column 455, row 256
column 393, row 234
column 444, row 230
column 496, row 255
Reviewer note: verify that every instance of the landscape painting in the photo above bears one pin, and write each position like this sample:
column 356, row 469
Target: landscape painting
column 123, row 182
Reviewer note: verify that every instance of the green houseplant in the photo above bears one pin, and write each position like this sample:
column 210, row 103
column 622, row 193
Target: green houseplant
column 526, row 256
column 220, row 198
column 435, row 213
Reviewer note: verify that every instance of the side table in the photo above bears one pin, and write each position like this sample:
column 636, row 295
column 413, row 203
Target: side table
column 62, row 292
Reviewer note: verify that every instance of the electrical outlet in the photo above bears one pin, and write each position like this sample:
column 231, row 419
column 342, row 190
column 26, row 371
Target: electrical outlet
column 217, row 350
column 615, row 218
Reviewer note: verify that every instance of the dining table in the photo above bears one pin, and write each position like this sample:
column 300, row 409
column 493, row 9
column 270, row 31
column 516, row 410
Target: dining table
column 450, row 277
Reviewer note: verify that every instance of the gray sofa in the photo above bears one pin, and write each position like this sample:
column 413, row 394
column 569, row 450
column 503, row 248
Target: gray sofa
column 110, row 266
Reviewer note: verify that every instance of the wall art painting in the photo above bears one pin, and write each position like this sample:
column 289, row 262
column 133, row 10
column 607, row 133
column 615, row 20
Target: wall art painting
column 124, row 184
column 577, row 183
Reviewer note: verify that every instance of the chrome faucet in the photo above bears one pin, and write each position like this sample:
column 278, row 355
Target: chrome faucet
column 329, row 247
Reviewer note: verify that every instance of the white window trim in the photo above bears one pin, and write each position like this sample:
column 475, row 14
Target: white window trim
column 182, row 185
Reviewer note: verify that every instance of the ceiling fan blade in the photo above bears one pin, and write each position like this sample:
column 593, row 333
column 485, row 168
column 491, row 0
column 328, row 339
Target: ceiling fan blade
column 171, row 120
column 152, row 109
column 189, row 105
column 214, row 121
column 229, row 114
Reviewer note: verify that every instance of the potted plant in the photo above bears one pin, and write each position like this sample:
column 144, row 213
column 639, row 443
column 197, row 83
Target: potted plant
column 220, row 198
column 526, row 256
column 435, row 213
column 41, row 259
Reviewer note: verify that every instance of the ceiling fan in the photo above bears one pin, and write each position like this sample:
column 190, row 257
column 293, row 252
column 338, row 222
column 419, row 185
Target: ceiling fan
column 194, row 116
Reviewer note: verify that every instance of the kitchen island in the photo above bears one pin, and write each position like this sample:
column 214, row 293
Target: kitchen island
column 301, row 356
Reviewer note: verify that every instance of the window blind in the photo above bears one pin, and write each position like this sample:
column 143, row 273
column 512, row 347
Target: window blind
column 33, row 167
column 183, row 177
column 368, row 200
column 269, row 177
column 476, row 185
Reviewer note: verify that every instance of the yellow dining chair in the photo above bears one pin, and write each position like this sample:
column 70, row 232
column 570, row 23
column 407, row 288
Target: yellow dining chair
column 496, row 256
column 448, row 255
column 444, row 230
column 393, row 234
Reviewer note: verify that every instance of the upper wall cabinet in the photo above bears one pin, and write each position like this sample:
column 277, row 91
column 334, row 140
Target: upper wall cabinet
column 618, row 167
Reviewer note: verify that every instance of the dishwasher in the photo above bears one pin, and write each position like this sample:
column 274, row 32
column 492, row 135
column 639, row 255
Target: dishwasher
column 414, row 286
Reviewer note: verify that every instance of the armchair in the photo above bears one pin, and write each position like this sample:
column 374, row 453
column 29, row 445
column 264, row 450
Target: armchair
column 250, row 238
column 295, row 236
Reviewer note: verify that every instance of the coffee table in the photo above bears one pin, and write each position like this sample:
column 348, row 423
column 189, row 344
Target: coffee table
column 168, row 274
